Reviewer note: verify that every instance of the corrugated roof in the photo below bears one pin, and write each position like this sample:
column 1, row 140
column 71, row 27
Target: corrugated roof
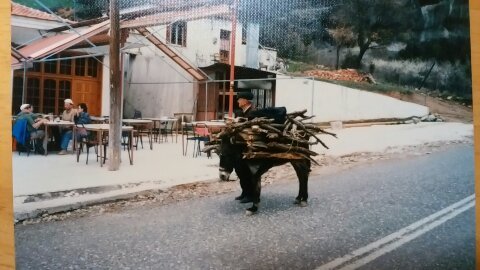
column 23, row 11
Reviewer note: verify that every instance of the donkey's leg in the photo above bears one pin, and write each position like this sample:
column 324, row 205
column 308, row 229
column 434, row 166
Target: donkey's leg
column 302, row 168
column 256, row 185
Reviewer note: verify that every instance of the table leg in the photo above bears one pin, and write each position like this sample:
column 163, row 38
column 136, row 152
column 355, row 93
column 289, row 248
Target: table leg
column 183, row 143
column 74, row 138
column 151, row 139
column 100, row 146
column 45, row 140
column 130, row 145
column 176, row 131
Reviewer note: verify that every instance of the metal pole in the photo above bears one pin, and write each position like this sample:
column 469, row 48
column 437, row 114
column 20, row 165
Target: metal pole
column 232, row 57
column 206, row 101
column 313, row 95
column 24, row 88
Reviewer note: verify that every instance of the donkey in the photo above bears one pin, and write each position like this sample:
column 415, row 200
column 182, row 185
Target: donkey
column 251, row 170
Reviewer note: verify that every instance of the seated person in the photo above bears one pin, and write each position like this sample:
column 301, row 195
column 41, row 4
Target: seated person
column 33, row 124
column 80, row 117
column 67, row 115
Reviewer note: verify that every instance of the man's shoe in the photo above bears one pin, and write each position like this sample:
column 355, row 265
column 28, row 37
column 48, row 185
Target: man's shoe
column 63, row 152
column 246, row 200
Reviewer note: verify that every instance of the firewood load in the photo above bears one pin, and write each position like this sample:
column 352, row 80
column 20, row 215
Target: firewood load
column 264, row 138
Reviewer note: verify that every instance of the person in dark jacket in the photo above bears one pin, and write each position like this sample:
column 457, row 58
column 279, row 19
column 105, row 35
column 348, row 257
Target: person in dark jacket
column 244, row 100
column 34, row 123
column 81, row 117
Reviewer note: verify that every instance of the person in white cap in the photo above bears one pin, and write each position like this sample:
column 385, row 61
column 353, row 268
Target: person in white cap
column 33, row 124
column 69, row 111
column 67, row 115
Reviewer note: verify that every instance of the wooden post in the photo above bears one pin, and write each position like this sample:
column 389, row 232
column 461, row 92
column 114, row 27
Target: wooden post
column 232, row 57
column 475, row 55
column 114, row 134
column 7, row 241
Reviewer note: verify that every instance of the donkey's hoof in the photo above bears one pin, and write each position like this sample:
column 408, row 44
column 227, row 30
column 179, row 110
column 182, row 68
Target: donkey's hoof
column 297, row 201
column 252, row 210
column 303, row 204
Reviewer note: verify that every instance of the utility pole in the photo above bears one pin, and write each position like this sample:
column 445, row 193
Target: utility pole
column 115, row 131
column 232, row 57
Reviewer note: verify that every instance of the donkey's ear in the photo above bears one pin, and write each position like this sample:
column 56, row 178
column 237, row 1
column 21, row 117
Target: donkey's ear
column 232, row 140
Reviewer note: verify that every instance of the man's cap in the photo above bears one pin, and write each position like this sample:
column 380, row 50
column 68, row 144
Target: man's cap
column 245, row 95
column 68, row 101
column 24, row 106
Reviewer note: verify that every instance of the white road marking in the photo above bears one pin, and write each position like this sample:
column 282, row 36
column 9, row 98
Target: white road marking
column 378, row 248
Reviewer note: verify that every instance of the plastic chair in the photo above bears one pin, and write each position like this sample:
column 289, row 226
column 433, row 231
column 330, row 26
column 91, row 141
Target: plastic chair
column 200, row 133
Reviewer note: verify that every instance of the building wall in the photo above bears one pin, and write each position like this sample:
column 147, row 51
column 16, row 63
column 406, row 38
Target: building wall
column 203, row 43
column 154, row 86
column 330, row 102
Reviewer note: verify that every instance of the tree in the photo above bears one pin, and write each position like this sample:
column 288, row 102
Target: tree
column 89, row 9
column 374, row 22
column 343, row 37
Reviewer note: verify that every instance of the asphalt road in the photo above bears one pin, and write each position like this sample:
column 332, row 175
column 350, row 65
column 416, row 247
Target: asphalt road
column 347, row 211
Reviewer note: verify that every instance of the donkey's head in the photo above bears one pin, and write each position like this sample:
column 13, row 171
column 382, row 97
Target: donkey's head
column 228, row 152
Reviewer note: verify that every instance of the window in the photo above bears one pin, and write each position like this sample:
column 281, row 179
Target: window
column 80, row 66
column 17, row 94
column 50, row 66
column 224, row 56
column 64, row 92
column 49, row 95
column 177, row 33
column 33, row 92
column 224, row 46
column 262, row 98
column 37, row 67
column 92, row 67
column 66, row 67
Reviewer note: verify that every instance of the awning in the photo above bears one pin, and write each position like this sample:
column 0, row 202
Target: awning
column 54, row 44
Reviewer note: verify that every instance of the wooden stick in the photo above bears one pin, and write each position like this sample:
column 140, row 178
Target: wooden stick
column 308, row 132
column 318, row 129
column 289, row 148
column 271, row 128
column 297, row 113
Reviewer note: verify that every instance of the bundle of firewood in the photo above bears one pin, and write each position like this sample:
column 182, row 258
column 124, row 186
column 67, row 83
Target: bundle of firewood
column 265, row 139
